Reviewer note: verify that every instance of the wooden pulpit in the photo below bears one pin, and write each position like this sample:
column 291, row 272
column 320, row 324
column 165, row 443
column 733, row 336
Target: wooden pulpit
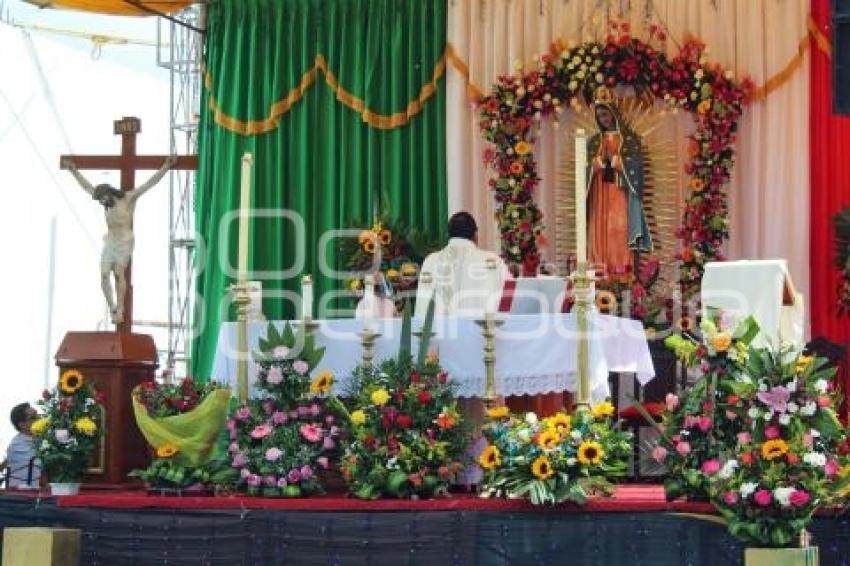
column 114, row 363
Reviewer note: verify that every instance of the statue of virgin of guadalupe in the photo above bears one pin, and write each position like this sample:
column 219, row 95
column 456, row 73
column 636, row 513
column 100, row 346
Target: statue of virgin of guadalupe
column 616, row 219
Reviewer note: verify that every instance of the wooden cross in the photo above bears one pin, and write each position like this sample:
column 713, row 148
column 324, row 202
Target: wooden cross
column 128, row 163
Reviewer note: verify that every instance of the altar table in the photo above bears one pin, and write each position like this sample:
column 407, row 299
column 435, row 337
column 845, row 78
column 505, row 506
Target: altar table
column 535, row 354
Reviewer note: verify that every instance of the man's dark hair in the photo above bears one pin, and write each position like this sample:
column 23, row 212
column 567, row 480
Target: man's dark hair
column 462, row 225
column 20, row 414
column 101, row 191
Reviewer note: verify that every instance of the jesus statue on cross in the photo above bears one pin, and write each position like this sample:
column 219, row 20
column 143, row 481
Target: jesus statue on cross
column 119, row 207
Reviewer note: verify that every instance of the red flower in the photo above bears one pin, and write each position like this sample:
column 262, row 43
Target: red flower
column 629, row 70
column 404, row 421
column 424, row 397
column 492, row 106
column 442, row 377
column 747, row 458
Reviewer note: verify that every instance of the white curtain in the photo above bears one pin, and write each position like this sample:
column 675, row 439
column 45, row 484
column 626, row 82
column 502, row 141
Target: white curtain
column 769, row 193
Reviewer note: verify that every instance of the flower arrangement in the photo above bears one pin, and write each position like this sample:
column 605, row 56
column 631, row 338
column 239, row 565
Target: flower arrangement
column 555, row 459
column 563, row 76
column 629, row 292
column 69, row 428
column 182, row 422
column 757, row 433
column 395, row 248
column 842, row 259
column 280, row 441
column 407, row 435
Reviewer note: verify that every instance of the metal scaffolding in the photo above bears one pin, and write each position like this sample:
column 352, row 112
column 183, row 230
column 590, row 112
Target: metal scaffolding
column 179, row 49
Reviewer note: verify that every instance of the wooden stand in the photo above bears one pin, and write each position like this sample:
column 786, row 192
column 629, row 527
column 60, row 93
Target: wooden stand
column 114, row 363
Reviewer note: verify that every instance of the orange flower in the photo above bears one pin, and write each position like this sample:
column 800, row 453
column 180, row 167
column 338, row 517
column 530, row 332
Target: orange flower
column 606, row 301
column 445, row 421
column 722, row 341
column 492, row 106
column 697, row 184
column 687, row 254
column 693, row 148
column 516, row 168
column 704, row 107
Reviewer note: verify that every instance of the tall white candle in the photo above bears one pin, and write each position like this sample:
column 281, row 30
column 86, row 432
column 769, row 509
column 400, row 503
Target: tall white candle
column 493, row 287
column 306, row 298
column 244, row 206
column 581, row 196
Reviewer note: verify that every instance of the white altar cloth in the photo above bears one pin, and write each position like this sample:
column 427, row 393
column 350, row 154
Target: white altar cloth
column 535, row 354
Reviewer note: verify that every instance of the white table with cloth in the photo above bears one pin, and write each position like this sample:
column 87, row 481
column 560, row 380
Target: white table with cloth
column 535, row 354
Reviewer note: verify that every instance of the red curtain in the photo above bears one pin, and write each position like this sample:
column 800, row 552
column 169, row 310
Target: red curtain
column 830, row 184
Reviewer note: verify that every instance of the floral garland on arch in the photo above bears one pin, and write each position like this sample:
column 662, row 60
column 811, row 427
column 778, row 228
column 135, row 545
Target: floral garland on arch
column 512, row 112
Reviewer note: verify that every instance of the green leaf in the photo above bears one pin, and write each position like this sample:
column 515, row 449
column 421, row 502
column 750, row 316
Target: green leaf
column 404, row 349
column 425, row 343
column 747, row 330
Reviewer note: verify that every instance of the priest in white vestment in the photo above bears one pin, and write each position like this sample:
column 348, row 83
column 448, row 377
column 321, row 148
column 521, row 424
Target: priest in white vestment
column 458, row 276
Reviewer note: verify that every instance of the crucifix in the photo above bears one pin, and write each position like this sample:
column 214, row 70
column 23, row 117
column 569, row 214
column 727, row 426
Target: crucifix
column 119, row 206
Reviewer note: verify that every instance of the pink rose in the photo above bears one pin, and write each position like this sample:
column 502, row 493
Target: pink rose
column 315, row 410
column 322, row 461
column 274, row 376
column 231, row 425
column 771, row 432
column 704, row 424
column 831, row 468
column 243, row 413
column 730, row 498
column 269, row 481
column 328, row 443
column 261, row 431
column 306, row 472
column 234, row 447
column 763, row 497
column 672, row 402
column 683, row 448
column 301, row 367
column 659, row 453
column 310, row 432
column 799, row 498
column 239, row 460
column 279, row 417
column 268, row 407
column 711, row 467
column 744, row 438
column 304, row 411
column 280, row 352
column 273, row 454
column 731, row 415
column 254, row 480
column 281, row 483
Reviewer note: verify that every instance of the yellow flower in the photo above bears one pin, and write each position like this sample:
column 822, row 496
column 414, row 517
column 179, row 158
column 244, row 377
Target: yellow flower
column 522, row 148
column 392, row 274
column 704, row 106
column 167, row 451
column 490, row 458
column 432, row 359
column 549, row 440
column 603, row 410
column 86, row 426
column 721, row 342
column 606, row 301
column 380, row 397
column 71, row 381
column 385, row 237
column 369, row 246
column 560, row 423
column 773, row 449
column 323, row 382
column 590, row 452
column 498, row 412
column 803, row 363
column 358, row 417
column 355, row 285
column 541, row 468
column 409, row 269
column 39, row 426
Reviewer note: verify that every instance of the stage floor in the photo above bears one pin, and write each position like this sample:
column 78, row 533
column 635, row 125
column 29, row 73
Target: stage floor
column 634, row 527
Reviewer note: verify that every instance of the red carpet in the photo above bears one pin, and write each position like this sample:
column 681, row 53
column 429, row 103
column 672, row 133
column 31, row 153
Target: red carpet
column 628, row 498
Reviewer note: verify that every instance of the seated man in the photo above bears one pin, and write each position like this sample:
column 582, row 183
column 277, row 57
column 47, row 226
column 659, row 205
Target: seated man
column 24, row 468
column 459, row 278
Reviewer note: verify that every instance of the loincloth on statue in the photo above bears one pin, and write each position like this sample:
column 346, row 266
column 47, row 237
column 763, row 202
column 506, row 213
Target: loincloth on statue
column 116, row 252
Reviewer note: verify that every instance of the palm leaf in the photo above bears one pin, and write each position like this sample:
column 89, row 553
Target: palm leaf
column 425, row 341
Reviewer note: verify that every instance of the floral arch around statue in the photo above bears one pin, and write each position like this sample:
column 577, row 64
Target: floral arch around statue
column 565, row 75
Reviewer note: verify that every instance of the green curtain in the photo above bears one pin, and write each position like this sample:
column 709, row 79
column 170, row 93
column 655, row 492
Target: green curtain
column 322, row 161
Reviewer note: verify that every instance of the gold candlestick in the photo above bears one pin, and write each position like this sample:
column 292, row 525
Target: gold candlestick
column 581, row 286
column 488, row 330
column 368, row 337
column 241, row 298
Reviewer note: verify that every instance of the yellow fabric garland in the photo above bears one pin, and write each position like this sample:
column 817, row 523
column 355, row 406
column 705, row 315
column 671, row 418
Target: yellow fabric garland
column 193, row 433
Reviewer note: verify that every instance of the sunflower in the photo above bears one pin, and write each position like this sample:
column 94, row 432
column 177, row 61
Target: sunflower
column 560, row 423
column 369, row 246
column 549, row 440
column 490, row 458
column 522, row 148
column 167, row 451
column 773, row 449
column 323, row 382
column 39, row 426
column 590, row 452
column 71, row 381
column 603, row 410
column 606, row 301
column 385, row 237
column 703, row 107
column 697, row 184
column 86, row 426
column 364, row 237
column 542, row 468
column 498, row 412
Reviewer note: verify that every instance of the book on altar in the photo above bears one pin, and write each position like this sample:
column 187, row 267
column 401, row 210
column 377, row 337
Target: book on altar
column 761, row 288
